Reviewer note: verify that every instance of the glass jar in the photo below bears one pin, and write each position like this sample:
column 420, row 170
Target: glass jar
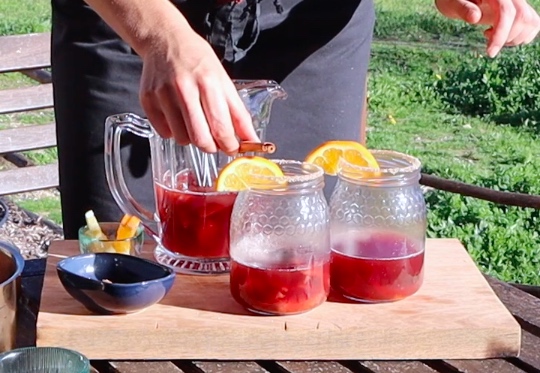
column 378, row 229
column 280, row 242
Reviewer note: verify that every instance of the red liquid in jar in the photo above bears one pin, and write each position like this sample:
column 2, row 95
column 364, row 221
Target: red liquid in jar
column 194, row 224
column 280, row 290
column 380, row 267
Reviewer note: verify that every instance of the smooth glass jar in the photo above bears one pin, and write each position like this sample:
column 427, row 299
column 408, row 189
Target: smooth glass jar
column 378, row 229
column 280, row 242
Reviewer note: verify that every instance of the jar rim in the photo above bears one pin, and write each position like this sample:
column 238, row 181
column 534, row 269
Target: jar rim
column 307, row 172
column 412, row 164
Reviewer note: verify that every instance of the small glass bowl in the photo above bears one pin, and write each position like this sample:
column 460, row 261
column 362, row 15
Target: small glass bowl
column 129, row 246
column 43, row 360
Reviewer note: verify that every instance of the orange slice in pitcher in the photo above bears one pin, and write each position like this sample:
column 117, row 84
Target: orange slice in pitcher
column 242, row 173
column 327, row 155
column 127, row 229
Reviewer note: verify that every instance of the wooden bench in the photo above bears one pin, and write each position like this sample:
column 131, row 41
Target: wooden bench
column 28, row 54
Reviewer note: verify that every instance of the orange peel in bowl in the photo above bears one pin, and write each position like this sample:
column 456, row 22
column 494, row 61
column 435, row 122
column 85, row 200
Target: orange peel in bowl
column 127, row 229
column 247, row 172
column 328, row 155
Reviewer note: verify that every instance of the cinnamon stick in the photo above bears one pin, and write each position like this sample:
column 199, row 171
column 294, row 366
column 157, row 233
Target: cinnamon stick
column 259, row 147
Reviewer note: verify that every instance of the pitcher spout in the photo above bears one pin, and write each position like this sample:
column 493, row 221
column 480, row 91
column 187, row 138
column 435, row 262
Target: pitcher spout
column 258, row 96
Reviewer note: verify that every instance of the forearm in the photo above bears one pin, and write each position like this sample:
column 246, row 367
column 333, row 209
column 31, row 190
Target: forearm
column 141, row 23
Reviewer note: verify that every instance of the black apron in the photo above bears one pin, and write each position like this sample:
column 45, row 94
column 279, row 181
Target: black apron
column 317, row 49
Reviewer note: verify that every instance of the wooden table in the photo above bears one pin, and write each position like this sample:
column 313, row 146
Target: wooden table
column 524, row 306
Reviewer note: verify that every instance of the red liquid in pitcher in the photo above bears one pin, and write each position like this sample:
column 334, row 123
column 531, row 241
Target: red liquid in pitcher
column 380, row 267
column 280, row 290
column 193, row 223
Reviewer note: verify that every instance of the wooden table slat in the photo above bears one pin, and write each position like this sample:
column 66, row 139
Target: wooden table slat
column 399, row 367
column 519, row 303
column 314, row 367
column 530, row 349
column 482, row 366
column 229, row 367
column 144, row 367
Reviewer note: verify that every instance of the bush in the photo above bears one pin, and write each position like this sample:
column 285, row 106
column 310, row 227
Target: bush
column 503, row 240
column 505, row 90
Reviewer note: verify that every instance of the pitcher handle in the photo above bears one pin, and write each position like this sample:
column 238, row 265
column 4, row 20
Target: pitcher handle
column 114, row 126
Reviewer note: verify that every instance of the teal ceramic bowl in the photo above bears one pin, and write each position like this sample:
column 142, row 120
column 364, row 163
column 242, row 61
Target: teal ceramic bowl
column 43, row 360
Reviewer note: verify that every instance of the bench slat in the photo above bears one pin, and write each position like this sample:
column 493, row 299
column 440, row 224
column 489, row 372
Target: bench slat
column 24, row 99
column 28, row 179
column 22, row 52
column 21, row 139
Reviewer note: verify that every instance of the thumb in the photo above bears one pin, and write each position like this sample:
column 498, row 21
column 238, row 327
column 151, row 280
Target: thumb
column 466, row 10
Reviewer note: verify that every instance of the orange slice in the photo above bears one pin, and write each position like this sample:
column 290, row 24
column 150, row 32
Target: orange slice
column 127, row 229
column 241, row 174
column 328, row 154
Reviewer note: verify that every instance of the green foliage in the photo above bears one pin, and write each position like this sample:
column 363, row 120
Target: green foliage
column 505, row 89
column 504, row 241
column 24, row 16
column 45, row 156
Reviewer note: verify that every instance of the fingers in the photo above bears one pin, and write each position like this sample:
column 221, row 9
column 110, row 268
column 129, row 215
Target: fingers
column 200, row 114
column 197, row 126
column 154, row 114
column 173, row 115
column 527, row 25
column 513, row 23
column 218, row 117
column 465, row 10
column 502, row 25
column 240, row 116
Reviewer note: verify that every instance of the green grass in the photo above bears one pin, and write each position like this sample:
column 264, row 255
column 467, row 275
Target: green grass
column 416, row 54
column 24, row 16
column 49, row 207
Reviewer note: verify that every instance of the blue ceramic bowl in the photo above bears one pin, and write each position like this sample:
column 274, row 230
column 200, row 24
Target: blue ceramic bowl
column 107, row 283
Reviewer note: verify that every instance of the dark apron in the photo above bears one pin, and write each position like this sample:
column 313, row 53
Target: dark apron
column 318, row 50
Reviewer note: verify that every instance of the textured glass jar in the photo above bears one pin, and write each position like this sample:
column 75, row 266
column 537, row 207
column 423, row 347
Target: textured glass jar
column 378, row 229
column 280, row 242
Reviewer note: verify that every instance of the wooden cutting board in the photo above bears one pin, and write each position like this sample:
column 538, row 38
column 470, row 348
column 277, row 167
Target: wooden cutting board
column 455, row 315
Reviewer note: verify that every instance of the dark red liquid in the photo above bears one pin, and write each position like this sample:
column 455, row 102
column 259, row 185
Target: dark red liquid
column 280, row 291
column 194, row 224
column 381, row 267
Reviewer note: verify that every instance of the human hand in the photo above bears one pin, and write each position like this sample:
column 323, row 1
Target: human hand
column 187, row 94
column 512, row 22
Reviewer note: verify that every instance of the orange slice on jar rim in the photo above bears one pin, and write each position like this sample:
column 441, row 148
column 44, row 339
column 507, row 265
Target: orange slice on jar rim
column 328, row 154
column 248, row 172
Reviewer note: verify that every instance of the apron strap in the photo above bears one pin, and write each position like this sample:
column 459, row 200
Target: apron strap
column 232, row 27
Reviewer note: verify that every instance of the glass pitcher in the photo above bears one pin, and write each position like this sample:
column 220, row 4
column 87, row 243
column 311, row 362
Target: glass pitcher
column 280, row 242
column 378, row 229
column 192, row 218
